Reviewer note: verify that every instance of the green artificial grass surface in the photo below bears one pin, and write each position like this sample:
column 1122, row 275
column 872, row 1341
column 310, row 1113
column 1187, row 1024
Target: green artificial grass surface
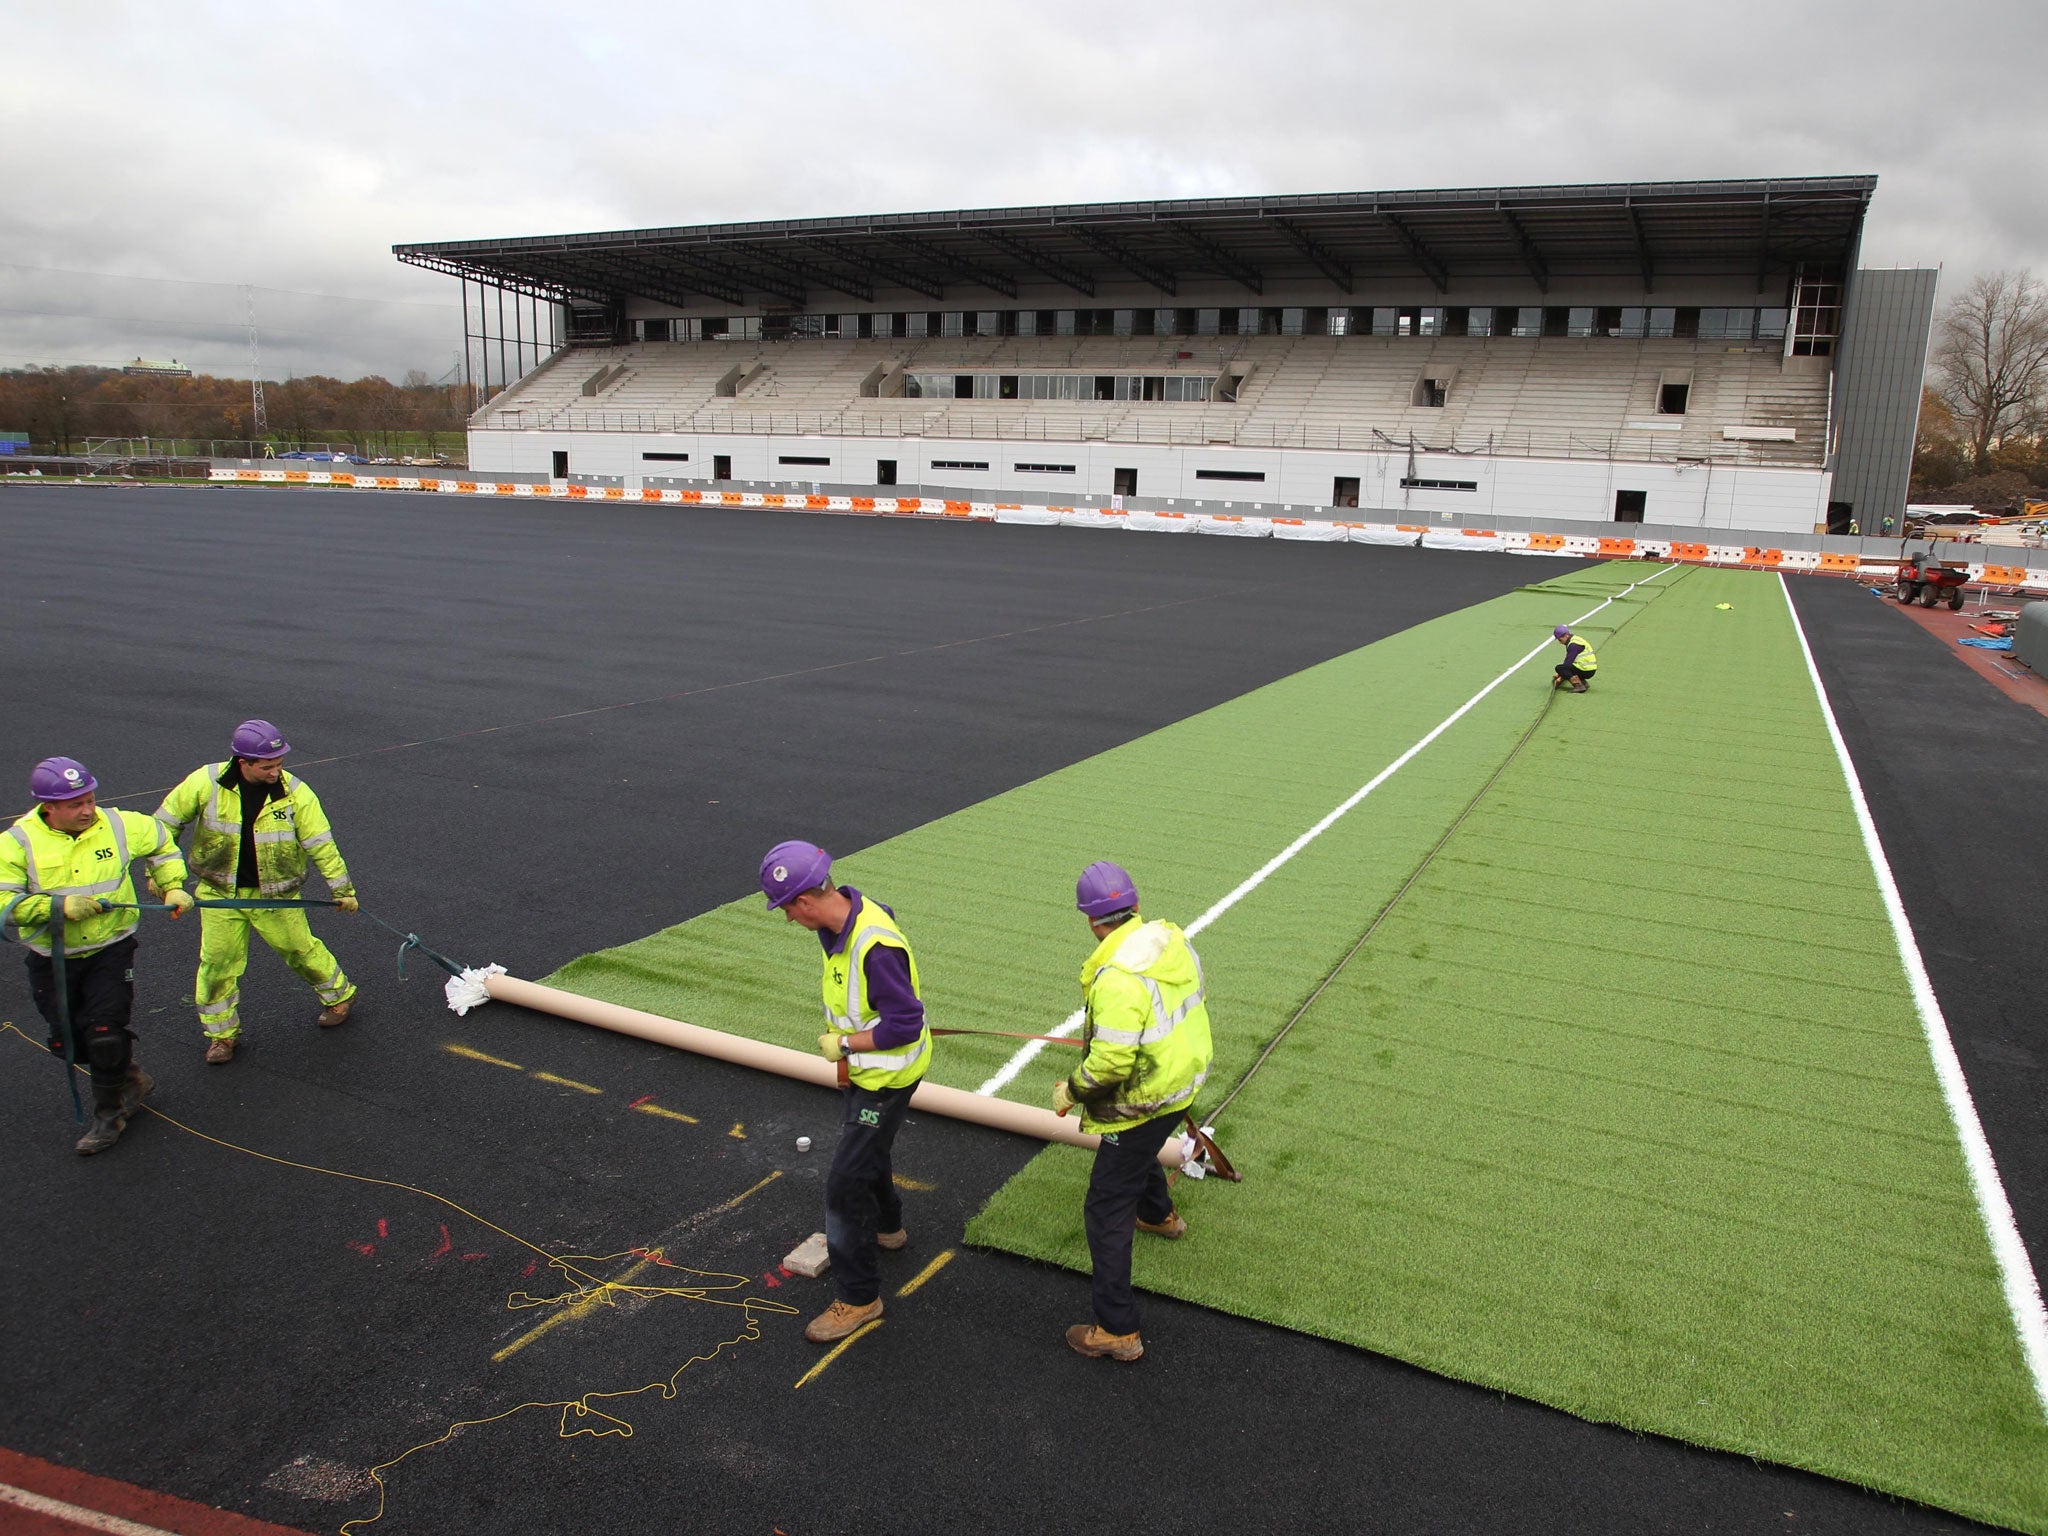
column 1624, row 1108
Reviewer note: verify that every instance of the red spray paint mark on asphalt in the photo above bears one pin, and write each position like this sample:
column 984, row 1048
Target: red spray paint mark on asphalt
column 769, row 1277
column 447, row 1244
column 468, row 1256
column 645, row 1098
column 367, row 1250
column 531, row 1266
column 383, row 1228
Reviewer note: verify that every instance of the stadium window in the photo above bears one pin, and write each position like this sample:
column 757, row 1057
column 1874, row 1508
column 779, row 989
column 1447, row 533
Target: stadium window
column 1479, row 322
column 1431, row 393
column 1631, row 323
column 712, row 327
column 1269, row 322
column 1344, row 491
column 1105, row 386
column 1686, row 323
column 1184, row 321
column 654, row 330
column 1043, row 469
column 987, row 322
column 747, row 328
column 1456, row 319
column 1663, row 324
column 1006, row 386
column 1557, row 321
column 1527, row 322
column 805, row 327
column 1409, row 484
column 1293, row 322
column 1048, row 321
column 1208, row 322
column 953, row 323
column 963, row 386
column 1063, row 322
column 1629, row 506
column 1384, row 321
column 666, row 458
column 916, row 326
column 802, row 458
column 1247, row 322
column 1027, row 322
column 1770, row 324
column 1429, row 322
column 1337, row 322
column 1579, row 322
column 959, row 463
column 1249, row 475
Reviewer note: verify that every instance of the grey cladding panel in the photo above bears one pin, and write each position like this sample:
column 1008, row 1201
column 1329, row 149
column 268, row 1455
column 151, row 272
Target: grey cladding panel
column 1877, row 391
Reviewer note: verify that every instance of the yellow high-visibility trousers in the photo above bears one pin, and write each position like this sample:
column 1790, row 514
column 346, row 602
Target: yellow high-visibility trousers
column 224, row 955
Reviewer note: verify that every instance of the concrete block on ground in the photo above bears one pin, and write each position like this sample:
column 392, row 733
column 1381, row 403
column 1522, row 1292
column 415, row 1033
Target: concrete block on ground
column 808, row 1258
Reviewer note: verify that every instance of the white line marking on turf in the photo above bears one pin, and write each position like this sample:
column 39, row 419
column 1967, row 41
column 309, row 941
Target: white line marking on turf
column 2016, row 1271
column 1072, row 1023
column 90, row 1519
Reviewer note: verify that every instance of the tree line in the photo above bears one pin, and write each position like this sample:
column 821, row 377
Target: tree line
column 61, row 408
column 1983, row 437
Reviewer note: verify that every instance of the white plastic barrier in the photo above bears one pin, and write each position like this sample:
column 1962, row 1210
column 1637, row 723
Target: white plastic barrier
column 1465, row 538
column 1162, row 522
column 1036, row 517
column 1387, row 534
column 1800, row 560
column 1309, row 533
column 1088, row 517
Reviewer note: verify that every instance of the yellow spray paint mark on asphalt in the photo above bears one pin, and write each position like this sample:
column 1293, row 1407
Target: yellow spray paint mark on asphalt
column 666, row 1114
column 917, row 1184
column 474, row 1055
column 927, row 1272
column 565, row 1082
column 738, row 1131
column 836, row 1351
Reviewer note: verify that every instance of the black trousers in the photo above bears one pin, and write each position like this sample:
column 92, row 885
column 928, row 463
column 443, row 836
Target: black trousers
column 1126, row 1183
column 860, row 1191
column 100, row 992
column 1567, row 671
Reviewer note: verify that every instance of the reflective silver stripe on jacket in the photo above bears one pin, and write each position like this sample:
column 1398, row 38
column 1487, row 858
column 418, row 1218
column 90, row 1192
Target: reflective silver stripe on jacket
column 1133, row 1109
column 850, row 1022
column 1163, row 1022
column 318, row 838
column 96, row 888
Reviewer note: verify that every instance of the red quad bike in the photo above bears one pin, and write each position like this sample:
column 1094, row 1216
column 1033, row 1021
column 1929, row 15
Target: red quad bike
column 1931, row 581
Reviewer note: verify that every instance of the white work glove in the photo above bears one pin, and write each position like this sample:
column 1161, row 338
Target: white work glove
column 1062, row 1097
column 179, row 901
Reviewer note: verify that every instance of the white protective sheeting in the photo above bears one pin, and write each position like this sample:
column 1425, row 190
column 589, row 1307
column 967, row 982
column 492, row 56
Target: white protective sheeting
column 1160, row 522
column 1037, row 517
column 1312, row 533
column 1385, row 533
column 1452, row 538
column 1083, row 518
column 1238, row 527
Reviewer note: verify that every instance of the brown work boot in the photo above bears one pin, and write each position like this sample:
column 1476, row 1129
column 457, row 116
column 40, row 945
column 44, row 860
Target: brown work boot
column 220, row 1048
column 840, row 1319
column 333, row 1015
column 1578, row 685
column 892, row 1241
column 108, row 1122
column 1089, row 1339
column 137, row 1086
column 1174, row 1226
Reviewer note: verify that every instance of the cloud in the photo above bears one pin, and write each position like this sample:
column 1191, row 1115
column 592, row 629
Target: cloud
column 291, row 147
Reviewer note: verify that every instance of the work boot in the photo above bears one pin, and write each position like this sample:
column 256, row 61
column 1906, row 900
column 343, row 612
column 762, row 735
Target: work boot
column 135, row 1087
column 108, row 1120
column 1174, row 1226
column 221, row 1048
column 1578, row 685
column 336, row 1013
column 893, row 1240
column 840, row 1319
column 1089, row 1339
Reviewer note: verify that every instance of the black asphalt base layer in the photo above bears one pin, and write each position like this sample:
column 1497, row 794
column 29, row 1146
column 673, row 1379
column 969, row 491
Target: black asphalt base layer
column 543, row 730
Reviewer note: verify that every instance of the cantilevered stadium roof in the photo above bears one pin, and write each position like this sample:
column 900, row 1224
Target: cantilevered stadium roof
column 1642, row 232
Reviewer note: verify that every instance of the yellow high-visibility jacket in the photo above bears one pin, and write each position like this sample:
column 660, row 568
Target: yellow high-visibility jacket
column 848, row 1010
column 40, row 866
column 1147, row 1029
column 289, row 829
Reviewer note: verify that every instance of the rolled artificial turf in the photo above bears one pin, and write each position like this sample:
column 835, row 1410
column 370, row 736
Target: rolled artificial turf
column 1624, row 1107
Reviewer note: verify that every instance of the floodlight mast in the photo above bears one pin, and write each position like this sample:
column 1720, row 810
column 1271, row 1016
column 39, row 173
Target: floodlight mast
column 259, row 418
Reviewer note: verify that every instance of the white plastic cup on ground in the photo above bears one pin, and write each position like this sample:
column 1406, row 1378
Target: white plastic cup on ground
column 803, row 1143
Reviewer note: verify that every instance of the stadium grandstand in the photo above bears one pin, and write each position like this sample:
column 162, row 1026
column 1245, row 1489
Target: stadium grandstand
column 1697, row 354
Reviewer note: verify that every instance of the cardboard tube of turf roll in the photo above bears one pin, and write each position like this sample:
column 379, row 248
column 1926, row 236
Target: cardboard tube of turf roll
column 933, row 1098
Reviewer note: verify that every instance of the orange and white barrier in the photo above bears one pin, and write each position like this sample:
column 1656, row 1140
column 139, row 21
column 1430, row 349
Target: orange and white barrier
column 1591, row 546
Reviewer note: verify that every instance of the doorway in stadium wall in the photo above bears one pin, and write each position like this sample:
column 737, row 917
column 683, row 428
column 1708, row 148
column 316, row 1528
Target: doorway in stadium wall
column 885, row 471
column 1630, row 505
column 1126, row 482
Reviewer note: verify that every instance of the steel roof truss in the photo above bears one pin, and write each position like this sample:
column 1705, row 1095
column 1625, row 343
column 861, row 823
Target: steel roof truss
column 1432, row 266
column 880, row 271
column 1531, row 257
column 995, row 282
column 1081, row 282
column 1234, row 266
column 1124, row 257
column 1325, row 261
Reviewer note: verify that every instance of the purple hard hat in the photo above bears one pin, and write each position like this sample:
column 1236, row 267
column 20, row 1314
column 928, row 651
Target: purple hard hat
column 1105, row 889
column 792, row 868
column 259, row 739
column 1562, row 632
column 61, row 778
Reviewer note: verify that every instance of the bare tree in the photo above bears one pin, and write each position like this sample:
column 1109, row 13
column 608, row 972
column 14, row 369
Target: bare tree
column 1991, row 358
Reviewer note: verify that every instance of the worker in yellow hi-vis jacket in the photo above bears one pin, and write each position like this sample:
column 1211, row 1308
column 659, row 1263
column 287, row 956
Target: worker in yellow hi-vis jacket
column 256, row 828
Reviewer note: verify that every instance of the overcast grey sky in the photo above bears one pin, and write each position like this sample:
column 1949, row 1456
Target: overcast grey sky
column 164, row 155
